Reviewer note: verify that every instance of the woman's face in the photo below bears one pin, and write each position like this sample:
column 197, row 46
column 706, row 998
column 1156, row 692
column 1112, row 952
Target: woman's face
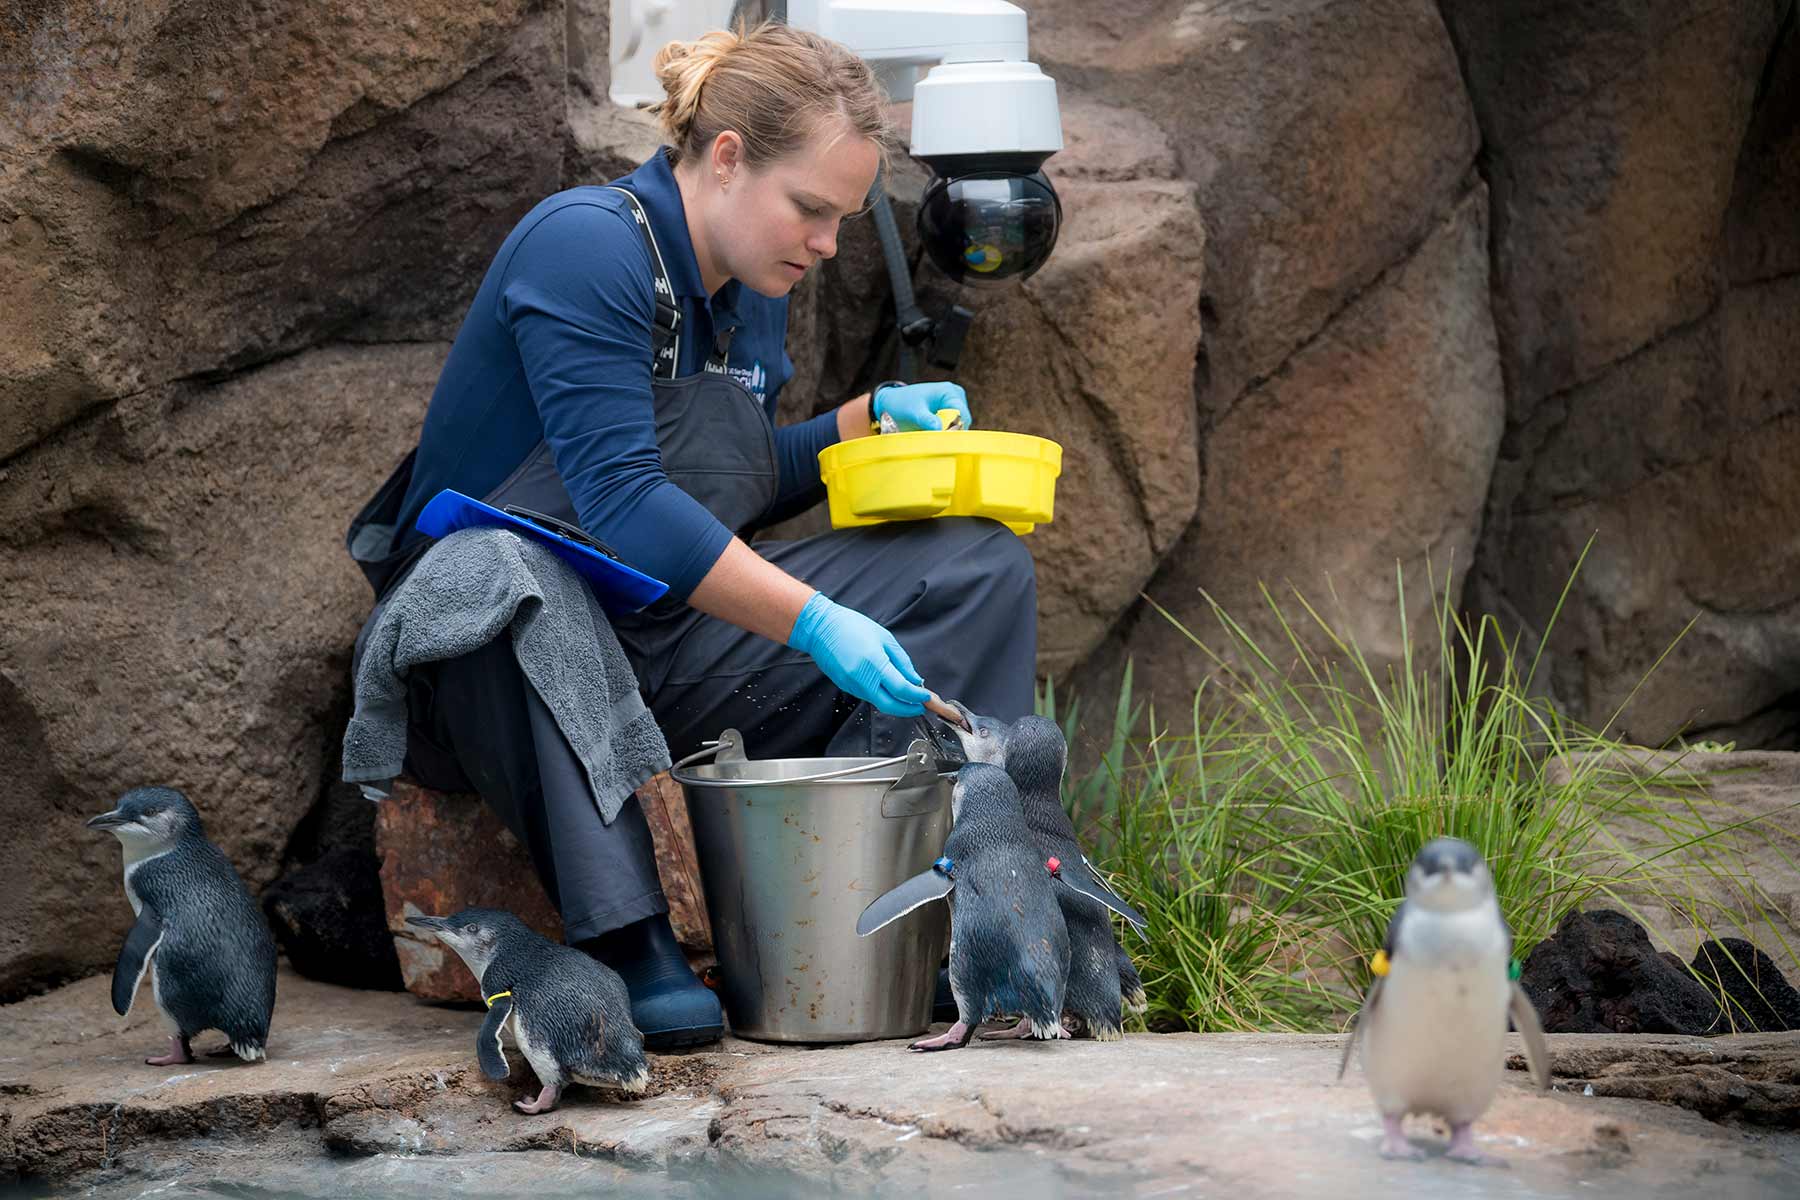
column 775, row 221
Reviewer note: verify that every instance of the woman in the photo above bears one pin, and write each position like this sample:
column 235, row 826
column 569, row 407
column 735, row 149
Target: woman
column 620, row 368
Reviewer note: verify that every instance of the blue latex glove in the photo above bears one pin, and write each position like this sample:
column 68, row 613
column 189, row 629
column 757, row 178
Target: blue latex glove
column 914, row 405
column 859, row 656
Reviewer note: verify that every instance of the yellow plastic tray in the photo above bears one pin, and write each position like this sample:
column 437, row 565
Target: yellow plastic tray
column 1009, row 477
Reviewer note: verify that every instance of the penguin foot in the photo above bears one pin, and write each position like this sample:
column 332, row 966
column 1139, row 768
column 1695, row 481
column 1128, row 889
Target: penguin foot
column 546, row 1100
column 1462, row 1148
column 1021, row 1030
column 953, row 1038
column 1394, row 1144
column 179, row 1053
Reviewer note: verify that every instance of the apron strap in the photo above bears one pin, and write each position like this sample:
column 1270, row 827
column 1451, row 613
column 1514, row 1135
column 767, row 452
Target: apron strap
column 666, row 337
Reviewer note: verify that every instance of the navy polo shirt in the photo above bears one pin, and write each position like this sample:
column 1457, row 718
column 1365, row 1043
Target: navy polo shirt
column 557, row 347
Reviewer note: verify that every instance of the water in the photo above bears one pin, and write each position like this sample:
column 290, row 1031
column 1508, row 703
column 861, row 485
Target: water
column 243, row 1173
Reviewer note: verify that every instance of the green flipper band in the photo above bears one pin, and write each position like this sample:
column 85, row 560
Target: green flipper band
column 1512, row 970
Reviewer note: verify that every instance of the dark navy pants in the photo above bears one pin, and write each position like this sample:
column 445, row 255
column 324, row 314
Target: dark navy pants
column 959, row 594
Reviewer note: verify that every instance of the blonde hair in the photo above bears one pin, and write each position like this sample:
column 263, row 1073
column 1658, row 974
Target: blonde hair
column 773, row 85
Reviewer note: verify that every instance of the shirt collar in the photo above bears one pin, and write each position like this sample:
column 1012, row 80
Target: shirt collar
column 654, row 184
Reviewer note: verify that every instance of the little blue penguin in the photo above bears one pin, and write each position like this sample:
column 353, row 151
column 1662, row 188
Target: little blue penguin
column 1433, row 1025
column 1102, row 978
column 569, row 1015
column 198, row 933
column 1009, row 951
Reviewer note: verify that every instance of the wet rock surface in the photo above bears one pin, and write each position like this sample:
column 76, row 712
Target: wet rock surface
column 373, row 1093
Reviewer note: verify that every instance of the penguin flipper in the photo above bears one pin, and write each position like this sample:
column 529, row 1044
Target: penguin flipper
column 1078, row 877
column 1531, row 1032
column 1357, row 1025
column 134, row 959
column 895, row 903
column 488, row 1050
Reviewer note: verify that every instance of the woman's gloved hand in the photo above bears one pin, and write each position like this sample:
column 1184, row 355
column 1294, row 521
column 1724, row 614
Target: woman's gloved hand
column 859, row 656
column 914, row 405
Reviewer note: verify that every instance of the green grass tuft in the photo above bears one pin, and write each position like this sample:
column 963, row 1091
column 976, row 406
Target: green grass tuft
column 1268, row 841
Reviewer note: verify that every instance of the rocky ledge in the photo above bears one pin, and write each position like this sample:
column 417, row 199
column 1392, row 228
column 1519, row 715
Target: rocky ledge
column 369, row 1093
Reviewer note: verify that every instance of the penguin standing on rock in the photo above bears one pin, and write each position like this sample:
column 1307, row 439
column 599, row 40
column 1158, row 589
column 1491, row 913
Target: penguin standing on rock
column 1433, row 1025
column 1102, row 979
column 569, row 1015
column 198, row 934
column 1009, row 951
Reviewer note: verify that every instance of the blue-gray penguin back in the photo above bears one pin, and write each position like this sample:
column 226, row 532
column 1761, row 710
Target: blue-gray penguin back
column 570, row 1004
column 215, row 963
column 1009, row 946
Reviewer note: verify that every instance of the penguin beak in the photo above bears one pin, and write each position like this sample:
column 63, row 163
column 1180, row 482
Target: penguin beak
column 435, row 924
column 108, row 820
column 963, row 720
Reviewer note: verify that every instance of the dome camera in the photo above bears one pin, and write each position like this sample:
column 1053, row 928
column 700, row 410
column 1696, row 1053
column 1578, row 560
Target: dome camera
column 989, row 227
column 989, row 216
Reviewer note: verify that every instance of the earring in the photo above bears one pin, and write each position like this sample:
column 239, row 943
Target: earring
column 724, row 183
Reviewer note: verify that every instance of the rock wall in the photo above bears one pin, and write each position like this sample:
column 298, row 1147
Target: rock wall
column 1342, row 285
column 1645, row 166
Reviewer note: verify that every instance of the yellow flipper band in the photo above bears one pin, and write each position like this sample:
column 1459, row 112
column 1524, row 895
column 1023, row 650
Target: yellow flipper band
column 1379, row 964
column 489, row 1000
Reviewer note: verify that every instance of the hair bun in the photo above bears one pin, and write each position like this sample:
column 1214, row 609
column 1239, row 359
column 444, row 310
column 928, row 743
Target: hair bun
column 683, row 68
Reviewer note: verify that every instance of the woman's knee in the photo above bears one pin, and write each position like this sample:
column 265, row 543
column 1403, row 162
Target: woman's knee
column 1001, row 551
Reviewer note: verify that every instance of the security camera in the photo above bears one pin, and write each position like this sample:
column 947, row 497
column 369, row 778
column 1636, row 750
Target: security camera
column 984, row 120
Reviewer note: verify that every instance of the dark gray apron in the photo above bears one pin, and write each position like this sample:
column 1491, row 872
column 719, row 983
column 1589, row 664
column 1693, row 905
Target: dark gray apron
column 716, row 442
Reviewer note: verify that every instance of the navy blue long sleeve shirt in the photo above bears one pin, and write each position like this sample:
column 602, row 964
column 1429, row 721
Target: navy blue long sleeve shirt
column 557, row 347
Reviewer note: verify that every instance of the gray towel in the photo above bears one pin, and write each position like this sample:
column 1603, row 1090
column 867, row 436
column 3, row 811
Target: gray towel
column 467, row 590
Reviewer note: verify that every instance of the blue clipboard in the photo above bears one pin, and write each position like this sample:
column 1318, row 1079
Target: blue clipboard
column 619, row 588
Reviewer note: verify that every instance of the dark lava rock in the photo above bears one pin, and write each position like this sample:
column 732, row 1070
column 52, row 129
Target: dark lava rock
column 1599, row 974
column 1761, row 999
column 331, row 922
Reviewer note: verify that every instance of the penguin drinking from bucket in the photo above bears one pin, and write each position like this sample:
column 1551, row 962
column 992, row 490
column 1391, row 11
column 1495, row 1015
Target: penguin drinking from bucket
column 1009, row 950
column 569, row 1015
column 1433, row 1024
column 198, row 935
column 1102, row 978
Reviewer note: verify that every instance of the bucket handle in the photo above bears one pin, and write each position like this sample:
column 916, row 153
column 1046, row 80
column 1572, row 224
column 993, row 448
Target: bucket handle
column 913, row 794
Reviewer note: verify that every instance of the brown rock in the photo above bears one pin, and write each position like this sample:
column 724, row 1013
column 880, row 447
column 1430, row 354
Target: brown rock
column 1330, row 146
column 193, row 189
column 442, row 852
column 1370, row 447
column 1645, row 168
column 1611, row 135
column 180, row 610
column 1325, row 140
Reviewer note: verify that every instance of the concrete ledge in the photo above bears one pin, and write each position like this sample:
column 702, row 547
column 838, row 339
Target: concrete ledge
column 378, row 1093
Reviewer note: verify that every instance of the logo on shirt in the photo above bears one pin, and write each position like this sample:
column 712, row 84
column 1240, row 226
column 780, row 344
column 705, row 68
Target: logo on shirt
column 753, row 377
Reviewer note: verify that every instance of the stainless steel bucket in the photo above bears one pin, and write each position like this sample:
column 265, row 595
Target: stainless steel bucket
column 791, row 851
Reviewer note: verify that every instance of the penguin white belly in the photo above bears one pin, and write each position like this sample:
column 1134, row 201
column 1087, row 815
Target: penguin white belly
column 1438, row 1042
column 543, row 1063
column 156, row 992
